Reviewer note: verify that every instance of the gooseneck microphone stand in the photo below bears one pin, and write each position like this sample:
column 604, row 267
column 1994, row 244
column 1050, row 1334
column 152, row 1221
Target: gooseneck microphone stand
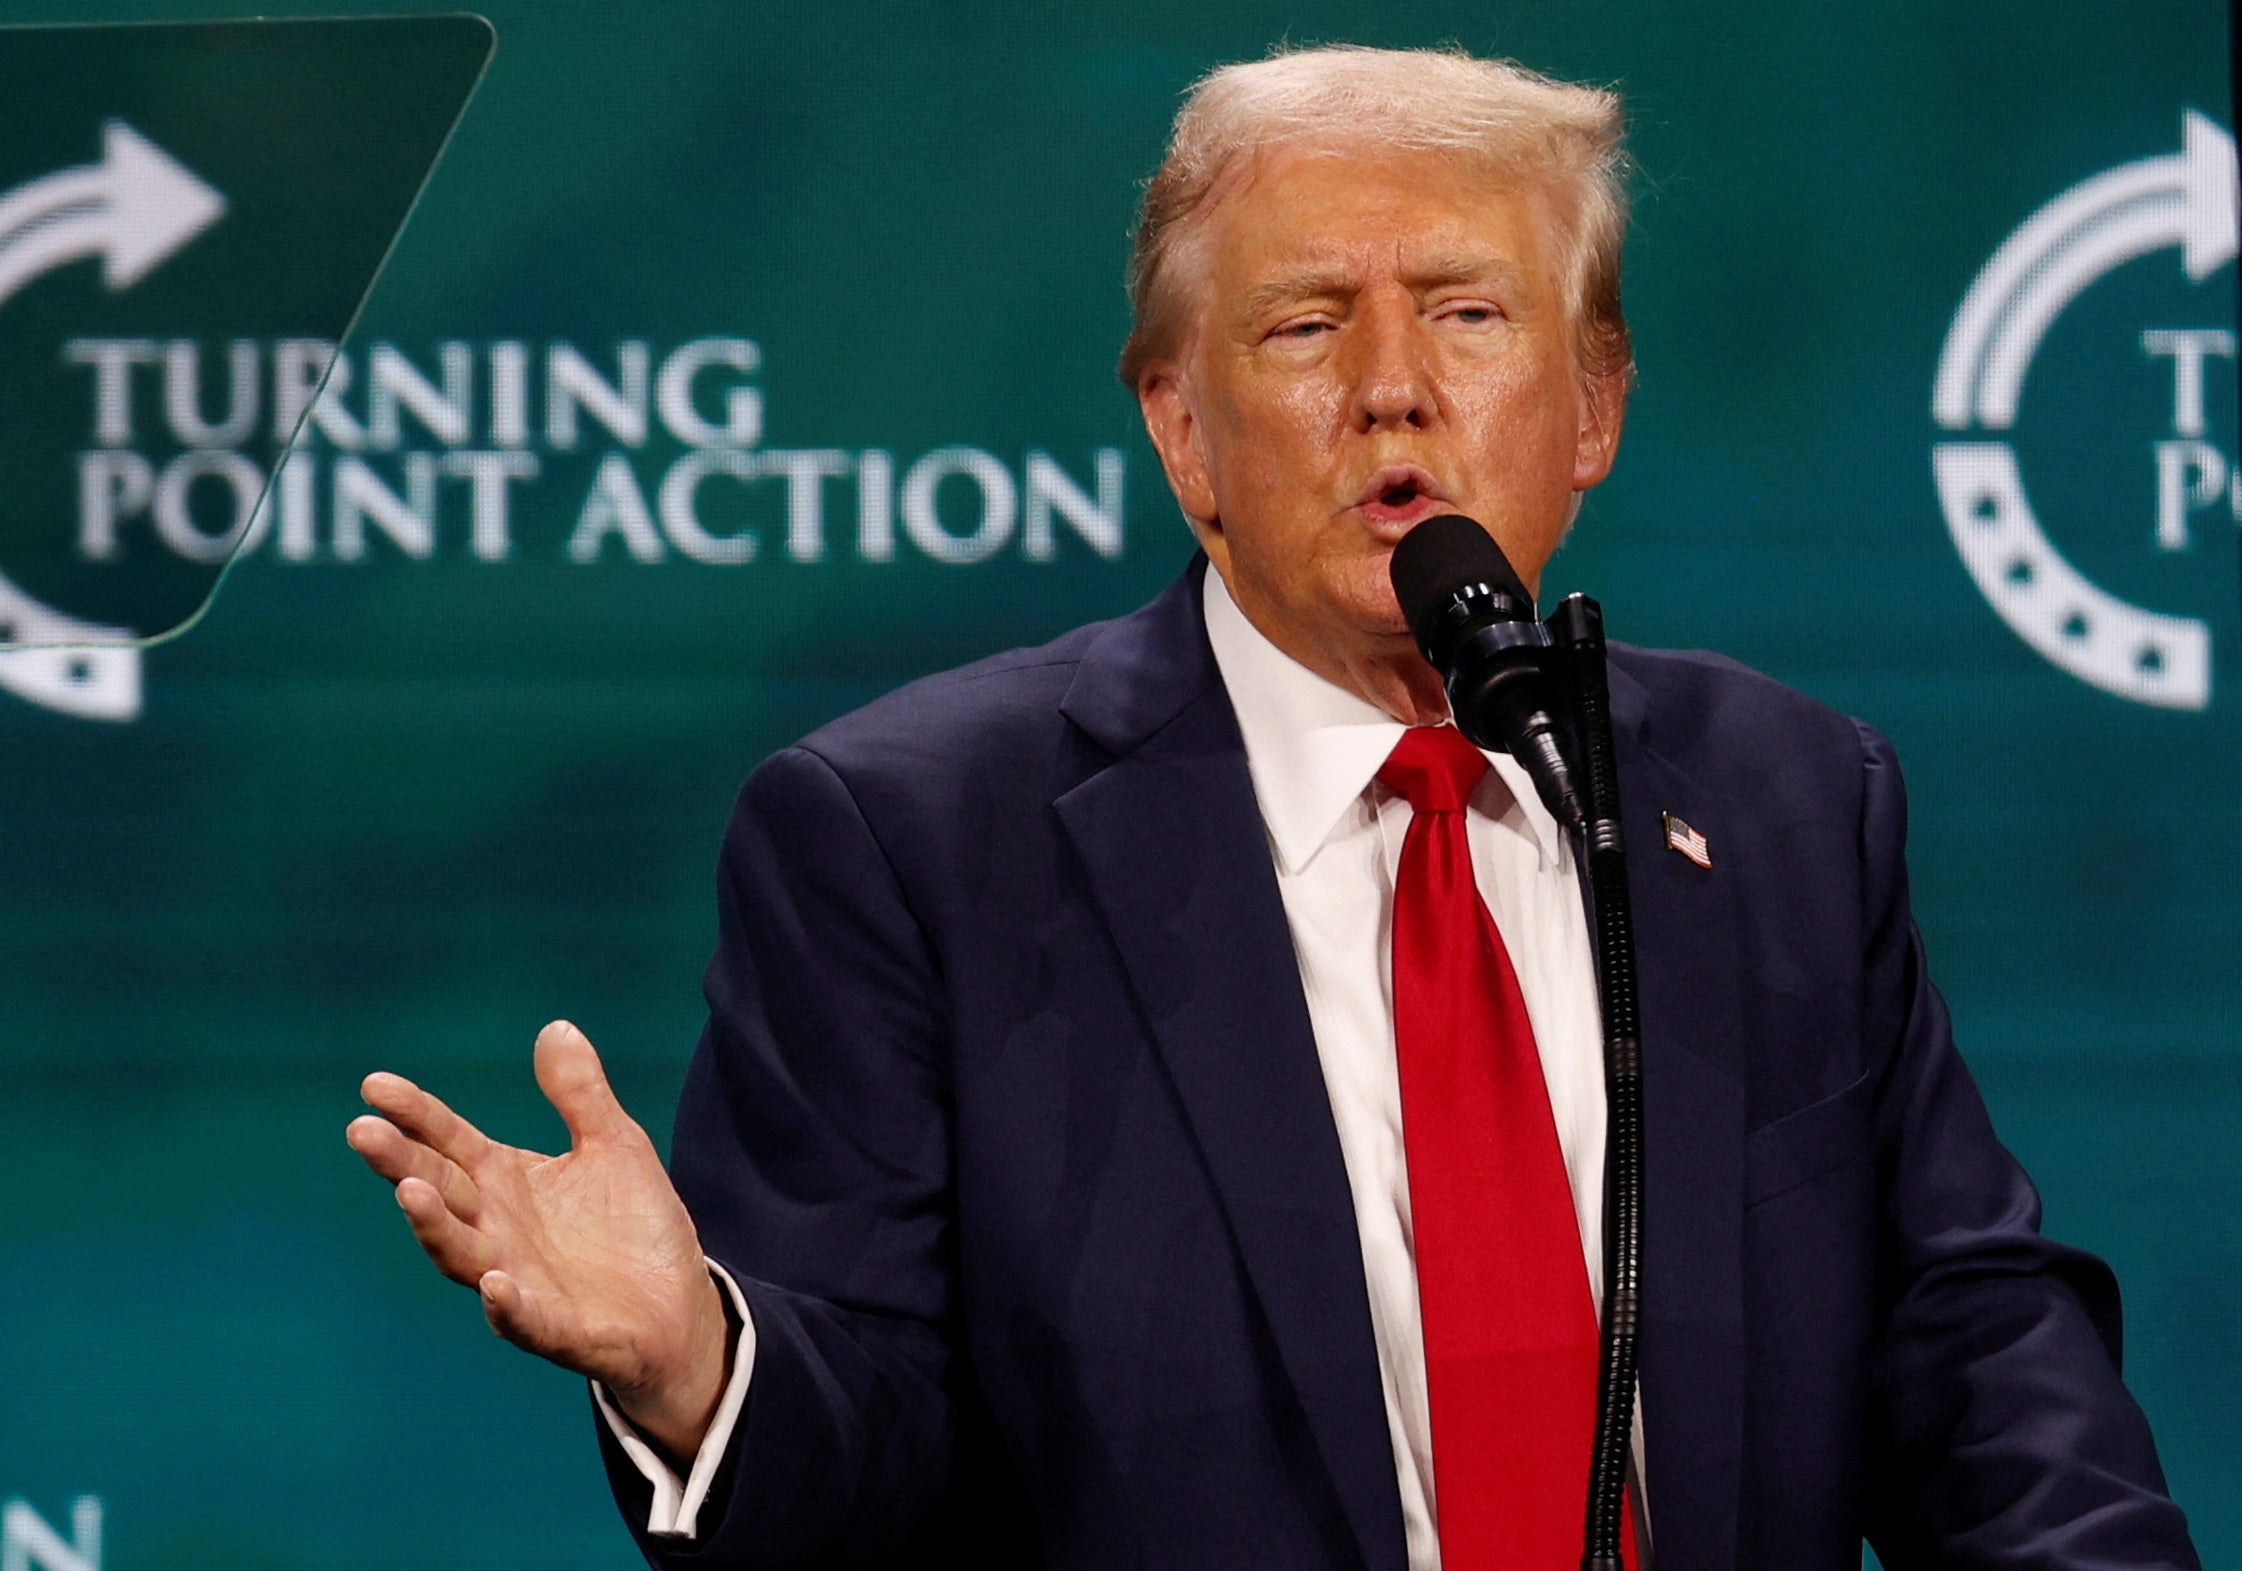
column 1514, row 683
column 1576, row 630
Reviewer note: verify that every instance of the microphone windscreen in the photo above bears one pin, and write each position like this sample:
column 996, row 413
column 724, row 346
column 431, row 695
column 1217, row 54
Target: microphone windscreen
column 1440, row 556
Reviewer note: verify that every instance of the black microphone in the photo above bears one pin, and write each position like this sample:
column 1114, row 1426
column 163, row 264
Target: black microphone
column 1474, row 621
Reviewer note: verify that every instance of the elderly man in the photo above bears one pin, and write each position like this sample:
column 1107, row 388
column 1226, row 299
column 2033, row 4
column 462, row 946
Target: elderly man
column 1104, row 1151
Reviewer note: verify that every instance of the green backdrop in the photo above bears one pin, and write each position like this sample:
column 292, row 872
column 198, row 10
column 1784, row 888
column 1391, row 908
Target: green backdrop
column 741, row 362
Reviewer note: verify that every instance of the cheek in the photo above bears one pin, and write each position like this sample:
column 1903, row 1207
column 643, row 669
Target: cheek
column 1276, row 444
column 1281, row 412
column 1525, row 424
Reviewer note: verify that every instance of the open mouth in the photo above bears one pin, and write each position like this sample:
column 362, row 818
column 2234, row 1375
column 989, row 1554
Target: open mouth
column 1399, row 496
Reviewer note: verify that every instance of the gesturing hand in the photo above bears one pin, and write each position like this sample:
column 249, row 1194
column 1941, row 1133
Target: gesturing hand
column 588, row 1259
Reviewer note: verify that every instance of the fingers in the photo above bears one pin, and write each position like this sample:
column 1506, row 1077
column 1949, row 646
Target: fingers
column 425, row 1118
column 458, row 1250
column 540, row 1323
column 502, row 1304
column 569, row 1073
column 396, row 1156
column 514, row 1314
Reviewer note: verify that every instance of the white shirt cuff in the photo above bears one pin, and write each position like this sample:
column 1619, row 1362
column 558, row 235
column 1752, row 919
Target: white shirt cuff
column 677, row 1502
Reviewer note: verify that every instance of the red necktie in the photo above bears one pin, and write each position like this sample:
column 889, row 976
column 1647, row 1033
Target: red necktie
column 1510, row 1329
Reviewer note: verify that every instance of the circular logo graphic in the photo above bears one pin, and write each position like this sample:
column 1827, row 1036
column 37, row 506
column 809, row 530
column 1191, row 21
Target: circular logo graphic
column 2184, row 200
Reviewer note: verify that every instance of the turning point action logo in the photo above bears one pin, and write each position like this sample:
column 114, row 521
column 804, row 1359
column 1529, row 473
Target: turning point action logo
column 657, row 451
column 2184, row 200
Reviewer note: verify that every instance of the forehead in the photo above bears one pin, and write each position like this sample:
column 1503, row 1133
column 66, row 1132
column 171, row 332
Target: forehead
column 1348, row 218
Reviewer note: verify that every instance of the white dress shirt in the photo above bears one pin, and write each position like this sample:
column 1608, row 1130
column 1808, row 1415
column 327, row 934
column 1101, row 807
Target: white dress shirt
column 1313, row 750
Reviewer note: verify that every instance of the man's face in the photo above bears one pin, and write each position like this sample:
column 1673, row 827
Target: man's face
column 1377, row 340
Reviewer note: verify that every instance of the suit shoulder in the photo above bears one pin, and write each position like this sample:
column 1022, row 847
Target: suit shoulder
column 1702, row 705
column 954, row 720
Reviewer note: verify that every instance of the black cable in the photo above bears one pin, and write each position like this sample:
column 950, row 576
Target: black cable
column 1577, row 628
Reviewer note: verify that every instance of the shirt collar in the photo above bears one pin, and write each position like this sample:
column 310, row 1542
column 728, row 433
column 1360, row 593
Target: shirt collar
column 1313, row 748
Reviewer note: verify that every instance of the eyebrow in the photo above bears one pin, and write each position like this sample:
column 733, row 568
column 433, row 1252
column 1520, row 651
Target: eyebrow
column 1449, row 267
column 1431, row 272
column 1308, row 284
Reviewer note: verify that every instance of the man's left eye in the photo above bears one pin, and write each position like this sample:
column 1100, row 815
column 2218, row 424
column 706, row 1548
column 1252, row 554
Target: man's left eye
column 1473, row 315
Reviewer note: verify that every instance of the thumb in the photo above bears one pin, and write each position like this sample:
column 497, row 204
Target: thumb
column 569, row 1073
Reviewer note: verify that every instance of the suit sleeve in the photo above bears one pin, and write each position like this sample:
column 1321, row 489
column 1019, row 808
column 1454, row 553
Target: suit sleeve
column 813, row 1149
column 2002, row 1435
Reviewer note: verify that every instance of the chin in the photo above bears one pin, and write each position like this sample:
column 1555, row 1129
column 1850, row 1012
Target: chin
column 1363, row 593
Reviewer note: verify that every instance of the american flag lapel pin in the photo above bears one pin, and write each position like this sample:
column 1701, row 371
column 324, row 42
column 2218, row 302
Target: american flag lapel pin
column 1689, row 842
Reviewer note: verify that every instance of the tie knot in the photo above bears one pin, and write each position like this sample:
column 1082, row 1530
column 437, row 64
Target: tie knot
column 1435, row 768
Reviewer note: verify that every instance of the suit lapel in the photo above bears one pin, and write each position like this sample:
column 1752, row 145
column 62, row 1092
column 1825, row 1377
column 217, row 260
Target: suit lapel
column 1693, row 1093
column 1172, row 844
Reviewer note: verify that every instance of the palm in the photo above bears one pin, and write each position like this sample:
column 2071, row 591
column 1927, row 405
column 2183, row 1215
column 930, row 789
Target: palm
column 598, row 1238
column 587, row 1258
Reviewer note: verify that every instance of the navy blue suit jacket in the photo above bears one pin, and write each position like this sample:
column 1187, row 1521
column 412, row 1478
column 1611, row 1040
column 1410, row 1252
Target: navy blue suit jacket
column 1009, row 1119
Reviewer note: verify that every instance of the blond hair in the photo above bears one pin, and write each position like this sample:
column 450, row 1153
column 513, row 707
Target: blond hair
column 1520, row 125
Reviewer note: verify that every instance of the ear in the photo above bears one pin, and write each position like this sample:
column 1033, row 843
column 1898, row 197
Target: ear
column 1603, row 408
column 1169, row 419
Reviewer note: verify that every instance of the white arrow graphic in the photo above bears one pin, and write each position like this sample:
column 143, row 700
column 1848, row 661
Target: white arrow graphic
column 133, row 209
column 77, row 667
column 2184, row 199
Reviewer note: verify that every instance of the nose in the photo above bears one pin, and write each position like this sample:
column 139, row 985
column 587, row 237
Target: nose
column 1395, row 387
